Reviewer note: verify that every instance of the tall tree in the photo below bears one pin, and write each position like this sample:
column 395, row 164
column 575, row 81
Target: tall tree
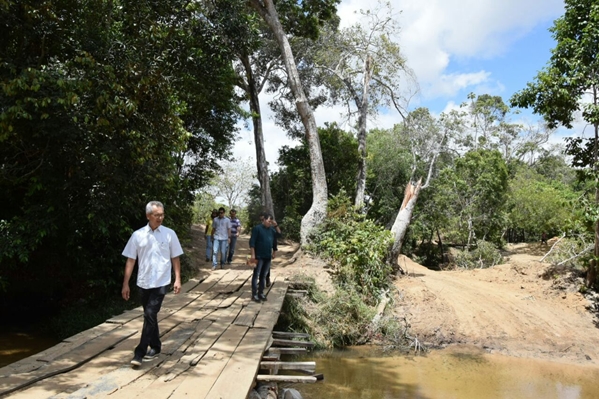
column 365, row 70
column 569, row 84
column 267, row 10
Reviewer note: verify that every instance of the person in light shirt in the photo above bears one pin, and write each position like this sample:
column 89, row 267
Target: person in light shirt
column 157, row 250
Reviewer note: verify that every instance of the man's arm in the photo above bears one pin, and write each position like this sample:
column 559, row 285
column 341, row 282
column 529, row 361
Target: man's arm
column 177, row 268
column 126, row 291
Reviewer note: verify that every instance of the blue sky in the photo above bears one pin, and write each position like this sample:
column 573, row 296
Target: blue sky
column 454, row 47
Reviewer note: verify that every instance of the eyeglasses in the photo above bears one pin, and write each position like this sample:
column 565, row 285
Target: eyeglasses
column 158, row 215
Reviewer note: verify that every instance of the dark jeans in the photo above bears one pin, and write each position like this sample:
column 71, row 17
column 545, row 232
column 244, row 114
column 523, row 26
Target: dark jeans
column 260, row 272
column 232, row 249
column 151, row 300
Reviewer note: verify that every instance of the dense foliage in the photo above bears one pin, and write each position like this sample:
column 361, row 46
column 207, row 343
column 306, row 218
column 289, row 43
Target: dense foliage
column 98, row 116
column 356, row 247
column 291, row 184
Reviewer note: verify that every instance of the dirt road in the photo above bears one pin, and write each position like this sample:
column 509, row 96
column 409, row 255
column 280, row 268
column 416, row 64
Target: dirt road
column 514, row 309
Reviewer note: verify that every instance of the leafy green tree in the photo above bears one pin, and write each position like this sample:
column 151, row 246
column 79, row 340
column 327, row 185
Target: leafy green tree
column 291, row 183
column 571, row 76
column 98, row 117
column 472, row 195
column 536, row 204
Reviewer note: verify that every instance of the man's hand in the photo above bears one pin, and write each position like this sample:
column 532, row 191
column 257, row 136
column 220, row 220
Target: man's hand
column 177, row 286
column 126, row 292
column 274, row 254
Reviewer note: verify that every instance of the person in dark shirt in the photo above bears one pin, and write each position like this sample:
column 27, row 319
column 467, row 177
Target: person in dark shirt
column 277, row 232
column 264, row 247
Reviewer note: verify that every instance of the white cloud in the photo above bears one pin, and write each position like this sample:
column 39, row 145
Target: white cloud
column 435, row 32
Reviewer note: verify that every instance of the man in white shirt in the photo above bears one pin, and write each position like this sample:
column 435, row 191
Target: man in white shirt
column 156, row 249
column 221, row 234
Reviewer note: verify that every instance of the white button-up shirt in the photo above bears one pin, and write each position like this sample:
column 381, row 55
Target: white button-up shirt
column 153, row 250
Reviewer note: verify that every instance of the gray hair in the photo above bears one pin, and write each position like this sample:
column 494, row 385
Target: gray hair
column 152, row 204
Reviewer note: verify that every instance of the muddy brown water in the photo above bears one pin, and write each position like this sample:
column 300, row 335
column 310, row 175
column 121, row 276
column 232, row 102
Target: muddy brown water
column 17, row 345
column 453, row 373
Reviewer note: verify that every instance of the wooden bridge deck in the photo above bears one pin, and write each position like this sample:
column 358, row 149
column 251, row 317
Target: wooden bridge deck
column 213, row 338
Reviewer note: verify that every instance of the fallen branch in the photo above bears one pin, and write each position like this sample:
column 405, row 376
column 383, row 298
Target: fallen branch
column 553, row 246
column 587, row 249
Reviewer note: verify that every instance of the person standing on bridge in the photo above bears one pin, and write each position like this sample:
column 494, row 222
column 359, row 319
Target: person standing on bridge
column 221, row 236
column 156, row 249
column 235, row 230
column 264, row 247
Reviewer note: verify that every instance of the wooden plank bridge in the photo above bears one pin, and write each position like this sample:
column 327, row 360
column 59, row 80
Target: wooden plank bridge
column 214, row 338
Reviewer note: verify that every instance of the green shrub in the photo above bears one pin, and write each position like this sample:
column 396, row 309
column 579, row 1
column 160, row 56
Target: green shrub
column 356, row 248
column 484, row 255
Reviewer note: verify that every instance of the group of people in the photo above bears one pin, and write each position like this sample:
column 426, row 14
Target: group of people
column 157, row 249
column 221, row 236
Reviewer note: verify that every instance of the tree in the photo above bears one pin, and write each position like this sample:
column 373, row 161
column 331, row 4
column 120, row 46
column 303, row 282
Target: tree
column 425, row 138
column 365, row 70
column 292, row 188
column 560, row 90
column 472, row 195
column 98, row 117
column 267, row 10
column 234, row 182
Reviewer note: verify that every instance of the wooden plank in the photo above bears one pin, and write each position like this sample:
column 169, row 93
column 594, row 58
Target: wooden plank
column 66, row 362
column 269, row 314
column 285, row 378
column 239, row 281
column 282, row 334
column 223, row 284
column 199, row 381
column 126, row 316
column 287, row 351
column 292, row 343
column 237, row 377
column 288, row 365
column 271, row 358
column 210, row 281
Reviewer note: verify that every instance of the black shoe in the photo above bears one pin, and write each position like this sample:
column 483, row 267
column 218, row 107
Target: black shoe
column 256, row 298
column 136, row 362
column 268, row 283
column 152, row 353
column 262, row 297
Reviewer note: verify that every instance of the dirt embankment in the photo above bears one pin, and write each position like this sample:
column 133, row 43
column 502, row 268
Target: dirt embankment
column 520, row 308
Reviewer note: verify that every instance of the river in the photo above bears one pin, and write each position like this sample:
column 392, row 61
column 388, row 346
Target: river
column 455, row 373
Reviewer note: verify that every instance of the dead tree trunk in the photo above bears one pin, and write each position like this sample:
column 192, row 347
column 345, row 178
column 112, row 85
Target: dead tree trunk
column 402, row 221
column 317, row 211
column 362, row 105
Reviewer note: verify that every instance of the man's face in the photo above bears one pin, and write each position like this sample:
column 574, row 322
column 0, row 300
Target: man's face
column 232, row 214
column 267, row 222
column 156, row 217
column 221, row 214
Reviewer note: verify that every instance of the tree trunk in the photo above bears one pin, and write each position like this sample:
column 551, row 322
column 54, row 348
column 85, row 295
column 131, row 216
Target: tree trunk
column 261, row 164
column 402, row 221
column 362, row 105
column 317, row 211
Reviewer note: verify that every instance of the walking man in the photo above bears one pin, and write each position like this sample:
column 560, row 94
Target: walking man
column 274, row 227
column 264, row 247
column 156, row 249
column 235, row 230
column 221, row 233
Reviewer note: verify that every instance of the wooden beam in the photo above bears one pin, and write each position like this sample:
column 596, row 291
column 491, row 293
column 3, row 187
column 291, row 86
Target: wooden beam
column 288, row 365
column 281, row 334
column 287, row 351
column 292, row 343
column 285, row 378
